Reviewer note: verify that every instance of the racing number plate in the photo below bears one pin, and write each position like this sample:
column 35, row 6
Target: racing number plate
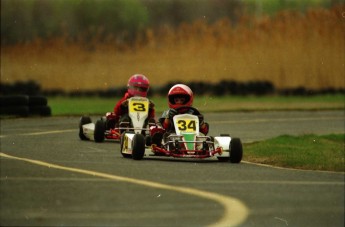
column 186, row 125
column 138, row 105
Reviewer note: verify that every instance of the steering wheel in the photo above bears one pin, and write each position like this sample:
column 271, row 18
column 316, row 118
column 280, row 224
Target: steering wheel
column 195, row 111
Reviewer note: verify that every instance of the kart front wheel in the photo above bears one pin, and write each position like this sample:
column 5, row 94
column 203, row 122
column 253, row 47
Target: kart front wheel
column 223, row 159
column 236, row 150
column 138, row 146
column 99, row 131
column 83, row 121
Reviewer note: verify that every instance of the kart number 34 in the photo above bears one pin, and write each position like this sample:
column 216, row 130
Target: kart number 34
column 187, row 125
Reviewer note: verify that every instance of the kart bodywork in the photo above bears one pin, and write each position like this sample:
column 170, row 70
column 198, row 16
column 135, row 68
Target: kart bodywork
column 138, row 109
column 187, row 142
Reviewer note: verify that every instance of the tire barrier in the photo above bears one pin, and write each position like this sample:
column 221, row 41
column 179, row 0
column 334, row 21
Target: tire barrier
column 24, row 106
column 20, row 87
column 221, row 88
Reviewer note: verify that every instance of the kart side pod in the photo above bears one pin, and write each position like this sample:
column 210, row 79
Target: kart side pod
column 223, row 142
column 127, row 143
column 89, row 130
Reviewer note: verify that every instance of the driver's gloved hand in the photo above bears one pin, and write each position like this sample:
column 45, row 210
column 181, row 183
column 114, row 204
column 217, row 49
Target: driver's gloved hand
column 204, row 127
column 151, row 105
column 172, row 113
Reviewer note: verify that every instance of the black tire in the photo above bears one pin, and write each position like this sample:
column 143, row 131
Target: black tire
column 236, row 150
column 46, row 111
column 121, row 146
column 99, row 131
column 15, row 100
column 40, row 110
column 21, row 111
column 2, row 101
column 37, row 101
column 148, row 140
column 223, row 159
column 138, row 146
column 83, row 121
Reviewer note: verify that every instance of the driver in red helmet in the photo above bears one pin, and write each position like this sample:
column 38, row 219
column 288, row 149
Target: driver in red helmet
column 138, row 85
column 181, row 95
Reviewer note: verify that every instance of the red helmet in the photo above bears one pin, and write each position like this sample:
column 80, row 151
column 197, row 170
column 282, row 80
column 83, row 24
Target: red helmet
column 180, row 91
column 138, row 85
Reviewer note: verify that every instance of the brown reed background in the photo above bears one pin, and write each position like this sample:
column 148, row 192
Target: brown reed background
column 290, row 49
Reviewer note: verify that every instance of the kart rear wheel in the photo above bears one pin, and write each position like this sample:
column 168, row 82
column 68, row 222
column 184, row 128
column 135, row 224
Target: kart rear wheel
column 99, row 131
column 138, row 146
column 83, row 121
column 223, row 159
column 225, row 134
column 236, row 150
column 122, row 141
column 148, row 140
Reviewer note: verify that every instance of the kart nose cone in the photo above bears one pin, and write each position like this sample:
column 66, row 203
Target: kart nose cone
column 189, row 138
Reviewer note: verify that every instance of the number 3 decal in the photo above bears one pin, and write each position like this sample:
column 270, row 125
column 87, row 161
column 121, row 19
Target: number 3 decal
column 139, row 106
column 186, row 125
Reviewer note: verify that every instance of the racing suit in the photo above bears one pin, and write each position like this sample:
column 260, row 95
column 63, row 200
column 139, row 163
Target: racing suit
column 121, row 110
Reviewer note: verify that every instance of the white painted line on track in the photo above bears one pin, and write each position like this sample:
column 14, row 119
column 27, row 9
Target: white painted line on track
column 235, row 212
column 47, row 132
column 292, row 169
column 42, row 133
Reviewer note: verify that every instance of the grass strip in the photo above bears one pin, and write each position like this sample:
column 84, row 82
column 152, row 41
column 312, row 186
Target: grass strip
column 99, row 106
column 310, row 152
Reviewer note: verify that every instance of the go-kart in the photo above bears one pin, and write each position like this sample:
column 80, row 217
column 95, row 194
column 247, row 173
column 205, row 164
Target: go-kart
column 138, row 109
column 187, row 142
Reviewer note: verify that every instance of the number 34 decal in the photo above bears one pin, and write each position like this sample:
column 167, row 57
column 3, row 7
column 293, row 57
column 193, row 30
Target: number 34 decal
column 187, row 125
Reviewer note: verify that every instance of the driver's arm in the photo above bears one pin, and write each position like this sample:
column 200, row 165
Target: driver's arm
column 167, row 117
column 196, row 112
column 164, row 120
column 204, row 127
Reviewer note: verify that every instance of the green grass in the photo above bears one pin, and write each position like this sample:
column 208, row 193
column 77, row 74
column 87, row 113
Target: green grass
column 303, row 152
column 99, row 106
column 312, row 152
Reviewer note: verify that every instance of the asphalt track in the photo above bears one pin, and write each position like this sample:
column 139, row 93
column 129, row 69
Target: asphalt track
column 51, row 178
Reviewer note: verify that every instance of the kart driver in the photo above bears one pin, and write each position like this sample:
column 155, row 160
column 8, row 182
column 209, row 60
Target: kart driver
column 178, row 96
column 138, row 85
column 181, row 95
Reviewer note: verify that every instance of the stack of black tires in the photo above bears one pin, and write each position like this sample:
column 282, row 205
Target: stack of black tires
column 24, row 106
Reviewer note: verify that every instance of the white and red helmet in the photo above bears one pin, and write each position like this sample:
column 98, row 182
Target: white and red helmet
column 180, row 90
column 138, row 85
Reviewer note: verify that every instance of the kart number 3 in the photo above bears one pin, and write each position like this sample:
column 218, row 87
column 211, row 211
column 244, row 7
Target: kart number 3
column 187, row 125
column 138, row 106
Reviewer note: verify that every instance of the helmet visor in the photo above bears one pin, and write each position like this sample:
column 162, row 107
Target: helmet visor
column 140, row 89
column 179, row 100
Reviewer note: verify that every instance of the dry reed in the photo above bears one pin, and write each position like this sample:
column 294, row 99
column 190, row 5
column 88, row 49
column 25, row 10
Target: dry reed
column 290, row 49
